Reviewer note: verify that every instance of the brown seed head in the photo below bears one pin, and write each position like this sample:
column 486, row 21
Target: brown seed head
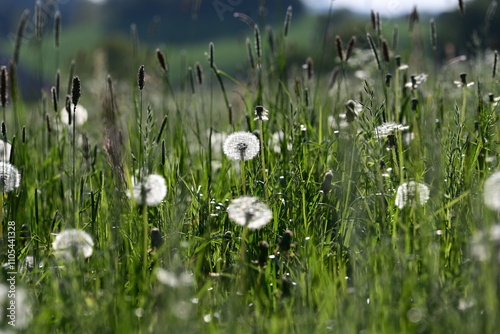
column 3, row 86
column 350, row 48
column 161, row 60
column 75, row 91
column 340, row 47
column 140, row 77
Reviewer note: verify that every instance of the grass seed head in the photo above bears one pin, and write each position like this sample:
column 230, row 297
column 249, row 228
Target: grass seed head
column 75, row 91
column 140, row 77
column 162, row 60
column 288, row 20
column 3, row 86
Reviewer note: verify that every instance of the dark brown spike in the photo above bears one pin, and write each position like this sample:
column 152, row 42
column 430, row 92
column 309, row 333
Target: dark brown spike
column 199, row 73
column 20, row 34
column 140, row 77
column 309, row 68
column 211, row 54
column 162, row 60
column 54, row 99
column 461, row 6
column 350, row 48
column 258, row 46
column 340, row 47
column 75, row 91
column 495, row 60
column 57, row 29
column 58, row 84
column 288, row 20
column 3, row 86
column 385, row 51
column 374, row 49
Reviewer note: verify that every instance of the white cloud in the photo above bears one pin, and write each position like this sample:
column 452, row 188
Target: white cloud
column 384, row 7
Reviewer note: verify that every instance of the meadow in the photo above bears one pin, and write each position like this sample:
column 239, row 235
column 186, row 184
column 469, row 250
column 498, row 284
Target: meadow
column 360, row 201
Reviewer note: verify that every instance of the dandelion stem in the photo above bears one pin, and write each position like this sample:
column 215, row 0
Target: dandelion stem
column 264, row 172
column 243, row 250
column 396, row 97
column 243, row 179
column 464, row 105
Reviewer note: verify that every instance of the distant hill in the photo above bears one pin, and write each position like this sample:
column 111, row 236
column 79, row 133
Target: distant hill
column 178, row 21
column 10, row 11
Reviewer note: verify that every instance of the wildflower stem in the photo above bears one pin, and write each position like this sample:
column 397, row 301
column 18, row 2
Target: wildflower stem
column 264, row 172
column 243, row 251
column 464, row 105
column 73, row 143
column 243, row 179
column 145, row 239
column 140, row 132
column 396, row 96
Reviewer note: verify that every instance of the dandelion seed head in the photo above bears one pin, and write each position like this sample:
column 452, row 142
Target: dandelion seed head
column 151, row 192
column 411, row 193
column 241, row 146
column 5, row 149
column 276, row 140
column 261, row 113
column 249, row 211
column 73, row 244
column 81, row 115
column 10, row 178
column 389, row 128
column 492, row 192
column 417, row 80
column 173, row 279
column 484, row 243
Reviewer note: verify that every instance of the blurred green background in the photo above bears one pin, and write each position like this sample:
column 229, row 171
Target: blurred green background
column 94, row 34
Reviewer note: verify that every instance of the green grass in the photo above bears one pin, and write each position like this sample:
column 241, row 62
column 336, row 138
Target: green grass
column 358, row 263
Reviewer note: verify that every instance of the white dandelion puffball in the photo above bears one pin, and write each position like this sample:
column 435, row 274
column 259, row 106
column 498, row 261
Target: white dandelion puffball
column 411, row 193
column 492, row 192
column 150, row 192
column 484, row 243
column 241, row 146
column 73, row 244
column 174, row 280
column 10, row 178
column 81, row 115
column 389, row 128
column 249, row 211
column 5, row 149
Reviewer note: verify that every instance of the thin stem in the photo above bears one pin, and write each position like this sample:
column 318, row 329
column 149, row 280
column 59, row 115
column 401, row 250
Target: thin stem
column 242, row 173
column 74, row 166
column 243, row 265
column 264, row 172
column 140, row 134
column 145, row 239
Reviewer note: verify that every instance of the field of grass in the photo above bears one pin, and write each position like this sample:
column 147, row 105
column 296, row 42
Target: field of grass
column 378, row 218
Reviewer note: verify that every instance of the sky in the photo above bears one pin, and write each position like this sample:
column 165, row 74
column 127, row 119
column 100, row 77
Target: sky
column 384, row 7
